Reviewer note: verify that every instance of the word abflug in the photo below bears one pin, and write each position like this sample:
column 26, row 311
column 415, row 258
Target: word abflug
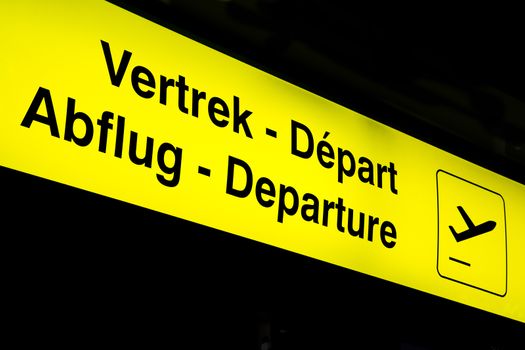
column 114, row 135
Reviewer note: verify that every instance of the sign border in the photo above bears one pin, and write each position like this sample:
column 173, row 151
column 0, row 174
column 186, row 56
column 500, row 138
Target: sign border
column 504, row 226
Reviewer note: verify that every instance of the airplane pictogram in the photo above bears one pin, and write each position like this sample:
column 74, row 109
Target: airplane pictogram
column 473, row 230
column 471, row 248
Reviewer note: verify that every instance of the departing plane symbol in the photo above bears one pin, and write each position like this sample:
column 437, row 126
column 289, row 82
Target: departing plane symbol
column 473, row 230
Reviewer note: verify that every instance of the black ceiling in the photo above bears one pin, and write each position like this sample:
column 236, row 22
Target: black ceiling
column 449, row 75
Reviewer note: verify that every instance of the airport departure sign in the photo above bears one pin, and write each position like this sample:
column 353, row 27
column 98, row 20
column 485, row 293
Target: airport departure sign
column 163, row 122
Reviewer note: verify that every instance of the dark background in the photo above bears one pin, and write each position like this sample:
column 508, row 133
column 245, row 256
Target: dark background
column 450, row 75
column 85, row 269
column 81, row 268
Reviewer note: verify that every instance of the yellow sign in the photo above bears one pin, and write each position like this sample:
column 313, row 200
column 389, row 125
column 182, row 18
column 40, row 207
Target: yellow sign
column 155, row 119
column 472, row 248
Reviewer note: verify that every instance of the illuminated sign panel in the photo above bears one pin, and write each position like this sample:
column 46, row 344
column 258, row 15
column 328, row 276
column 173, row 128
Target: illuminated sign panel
column 155, row 119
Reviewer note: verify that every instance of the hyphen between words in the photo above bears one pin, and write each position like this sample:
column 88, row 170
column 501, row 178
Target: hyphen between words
column 144, row 83
column 169, row 157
